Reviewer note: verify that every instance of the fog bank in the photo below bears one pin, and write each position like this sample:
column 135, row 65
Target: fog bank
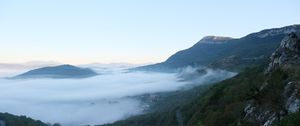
column 97, row 100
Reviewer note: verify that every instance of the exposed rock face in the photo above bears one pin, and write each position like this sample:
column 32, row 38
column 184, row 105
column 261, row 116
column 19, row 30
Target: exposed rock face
column 261, row 115
column 277, row 31
column 2, row 123
column 287, row 55
column 215, row 39
column 291, row 94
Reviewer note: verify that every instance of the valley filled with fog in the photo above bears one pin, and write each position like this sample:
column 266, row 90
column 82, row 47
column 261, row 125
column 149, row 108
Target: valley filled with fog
column 102, row 99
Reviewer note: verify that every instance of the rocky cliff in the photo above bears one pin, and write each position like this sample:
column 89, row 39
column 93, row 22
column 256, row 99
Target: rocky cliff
column 284, row 61
column 287, row 55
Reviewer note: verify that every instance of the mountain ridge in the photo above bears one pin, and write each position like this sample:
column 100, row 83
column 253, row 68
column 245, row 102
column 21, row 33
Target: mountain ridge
column 233, row 55
column 264, row 95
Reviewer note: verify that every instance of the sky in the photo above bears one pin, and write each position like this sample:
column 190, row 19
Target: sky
column 131, row 31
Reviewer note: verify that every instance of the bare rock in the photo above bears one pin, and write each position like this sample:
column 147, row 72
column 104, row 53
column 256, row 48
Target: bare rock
column 287, row 55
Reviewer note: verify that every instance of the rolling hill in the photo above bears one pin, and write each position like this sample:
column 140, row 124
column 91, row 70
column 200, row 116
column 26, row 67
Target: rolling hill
column 61, row 71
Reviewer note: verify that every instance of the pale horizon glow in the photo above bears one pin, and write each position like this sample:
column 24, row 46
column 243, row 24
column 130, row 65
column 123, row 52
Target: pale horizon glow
column 132, row 31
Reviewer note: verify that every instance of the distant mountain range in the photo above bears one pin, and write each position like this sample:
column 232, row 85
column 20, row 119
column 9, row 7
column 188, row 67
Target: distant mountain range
column 61, row 71
column 227, row 53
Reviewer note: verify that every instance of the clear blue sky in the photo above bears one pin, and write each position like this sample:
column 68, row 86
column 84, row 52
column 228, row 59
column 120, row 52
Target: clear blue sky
column 136, row 31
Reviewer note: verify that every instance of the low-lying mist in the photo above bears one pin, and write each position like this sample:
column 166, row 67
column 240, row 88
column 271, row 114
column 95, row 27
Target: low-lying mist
column 97, row 100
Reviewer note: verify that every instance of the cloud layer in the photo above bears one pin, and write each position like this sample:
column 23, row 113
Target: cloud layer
column 98, row 100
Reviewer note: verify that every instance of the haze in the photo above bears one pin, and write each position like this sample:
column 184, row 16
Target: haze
column 97, row 100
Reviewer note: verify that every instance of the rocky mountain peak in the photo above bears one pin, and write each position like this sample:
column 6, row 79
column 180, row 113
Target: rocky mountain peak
column 287, row 55
column 277, row 31
column 215, row 39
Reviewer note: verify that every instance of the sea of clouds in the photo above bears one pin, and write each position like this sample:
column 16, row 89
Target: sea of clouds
column 96, row 100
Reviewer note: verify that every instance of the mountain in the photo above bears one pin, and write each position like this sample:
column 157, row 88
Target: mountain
column 61, row 71
column 227, row 53
column 264, row 95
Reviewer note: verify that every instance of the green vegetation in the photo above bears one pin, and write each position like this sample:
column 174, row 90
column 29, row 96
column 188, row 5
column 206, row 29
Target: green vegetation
column 290, row 120
column 163, row 112
column 12, row 120
column 223, row 103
